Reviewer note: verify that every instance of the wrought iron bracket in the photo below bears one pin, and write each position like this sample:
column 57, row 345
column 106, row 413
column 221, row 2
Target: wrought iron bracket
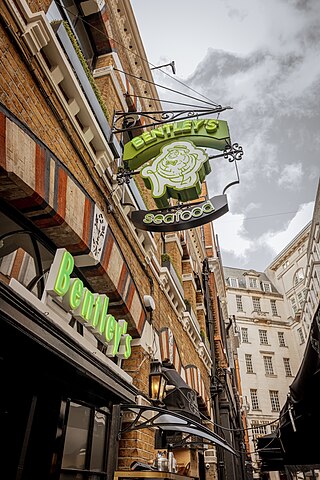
column 128, row 121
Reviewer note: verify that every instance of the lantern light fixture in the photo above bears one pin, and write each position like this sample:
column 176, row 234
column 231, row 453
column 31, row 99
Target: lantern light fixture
column 157, row 382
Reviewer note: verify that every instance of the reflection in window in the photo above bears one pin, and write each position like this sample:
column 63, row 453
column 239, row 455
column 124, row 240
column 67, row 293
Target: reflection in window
column 98, row 441
column 85, row 443
column 22, row 256
column 76, row 440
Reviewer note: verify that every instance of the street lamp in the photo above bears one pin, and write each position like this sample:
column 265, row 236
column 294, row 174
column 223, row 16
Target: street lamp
column 157, row 382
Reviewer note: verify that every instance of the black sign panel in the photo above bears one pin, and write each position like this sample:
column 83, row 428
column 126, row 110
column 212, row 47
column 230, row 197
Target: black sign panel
column 180, row 217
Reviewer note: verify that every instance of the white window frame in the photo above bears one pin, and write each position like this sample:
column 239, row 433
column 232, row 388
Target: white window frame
column 253, row 283
column 274, row 310
column 263, row 337
column 282, row 342
column 244, row 335
column 287, row 367
column 268, row 366
column 256, row 302
column 274, row 399
column 249, row 365
column 232, row 280
column 266, row 286
column 239, row 303
column 254, row 399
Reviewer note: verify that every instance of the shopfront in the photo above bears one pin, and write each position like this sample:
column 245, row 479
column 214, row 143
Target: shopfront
column 60, row 392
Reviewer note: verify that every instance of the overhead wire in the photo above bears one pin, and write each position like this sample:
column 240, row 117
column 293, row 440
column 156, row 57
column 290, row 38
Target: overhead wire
column 210, row 102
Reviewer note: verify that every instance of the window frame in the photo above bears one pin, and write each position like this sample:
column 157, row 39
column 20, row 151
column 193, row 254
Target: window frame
column 282, row 342
column 253, row 283
column 239, row 303
column 249, row 364
column 274, row 400
column 287, row 367
column 256, row 303
column 268, row 365
column 263, row 337
column 87, row 471
column 254, row 399
column 244, row 337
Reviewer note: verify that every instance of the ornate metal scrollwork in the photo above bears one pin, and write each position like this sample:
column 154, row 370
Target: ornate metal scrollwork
column 233, row 152
column 124, row 121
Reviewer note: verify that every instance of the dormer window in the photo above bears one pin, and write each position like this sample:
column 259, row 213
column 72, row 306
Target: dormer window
column 253, row 282
column 233, row 282
column 266, row 286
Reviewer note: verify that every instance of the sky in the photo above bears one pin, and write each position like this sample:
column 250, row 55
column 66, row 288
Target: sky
column 262, row 58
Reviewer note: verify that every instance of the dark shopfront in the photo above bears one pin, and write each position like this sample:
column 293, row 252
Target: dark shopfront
column 59, row 401
column 56, row 404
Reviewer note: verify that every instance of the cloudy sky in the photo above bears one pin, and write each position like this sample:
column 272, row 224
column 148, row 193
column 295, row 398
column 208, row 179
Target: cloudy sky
column 263, row 59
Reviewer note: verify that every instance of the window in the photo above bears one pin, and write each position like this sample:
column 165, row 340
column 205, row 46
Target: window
column 239, row 303
column 233, row 282
column 263, row 337
column 274, row 399
column 298, row 276
column 254, row 399
column 253, row 282
column 281, row 339
column 248, row 359
column 274, row 310
column 294, row 305
column 256, row 304
column 258, row 428
column 287, row 368
column 244, row 335
column 301, row 336
column 85, row 441
column 267, row 360
column 285, row 264
column 301, row 299
column 266, row 286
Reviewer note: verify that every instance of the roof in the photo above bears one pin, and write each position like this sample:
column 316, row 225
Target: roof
column 240, row 274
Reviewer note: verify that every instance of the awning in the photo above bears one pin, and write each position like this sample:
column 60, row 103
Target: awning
column 165, row 420
column 270, row 453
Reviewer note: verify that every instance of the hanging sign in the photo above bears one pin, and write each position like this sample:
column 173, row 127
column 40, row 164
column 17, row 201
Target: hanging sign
column 177, row 172
column 209, row 133
column 90, row 309
column 182, row 217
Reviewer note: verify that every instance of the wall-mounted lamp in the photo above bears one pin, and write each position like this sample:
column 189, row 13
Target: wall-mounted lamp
column 157, row 382
column 171, row 64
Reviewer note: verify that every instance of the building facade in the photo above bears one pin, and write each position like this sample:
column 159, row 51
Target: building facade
column 263, row 348
column 89, row 302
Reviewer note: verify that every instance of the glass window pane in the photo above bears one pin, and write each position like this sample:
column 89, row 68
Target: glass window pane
column 75, row 446
column 71, row 476
column 98, row 442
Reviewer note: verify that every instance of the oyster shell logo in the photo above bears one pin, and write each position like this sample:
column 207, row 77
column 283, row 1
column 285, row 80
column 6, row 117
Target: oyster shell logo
column 177, row 172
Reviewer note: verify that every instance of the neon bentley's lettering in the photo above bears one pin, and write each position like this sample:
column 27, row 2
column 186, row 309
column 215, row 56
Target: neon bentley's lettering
column 91, row 309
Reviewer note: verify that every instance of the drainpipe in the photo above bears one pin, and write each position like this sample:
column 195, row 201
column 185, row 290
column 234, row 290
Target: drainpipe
column 214, row 385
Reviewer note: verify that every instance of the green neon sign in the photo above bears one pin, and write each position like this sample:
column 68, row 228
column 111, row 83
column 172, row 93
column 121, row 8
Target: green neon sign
column 177, row 172
column 91, row 309
column 209, row 133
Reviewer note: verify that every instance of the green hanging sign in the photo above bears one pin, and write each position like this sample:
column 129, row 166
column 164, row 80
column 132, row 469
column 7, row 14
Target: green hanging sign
column 174, row 165
column 208, row 133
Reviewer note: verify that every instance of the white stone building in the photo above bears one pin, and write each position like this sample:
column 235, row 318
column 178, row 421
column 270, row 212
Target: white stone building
column 288, row 273
column 267, row 352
